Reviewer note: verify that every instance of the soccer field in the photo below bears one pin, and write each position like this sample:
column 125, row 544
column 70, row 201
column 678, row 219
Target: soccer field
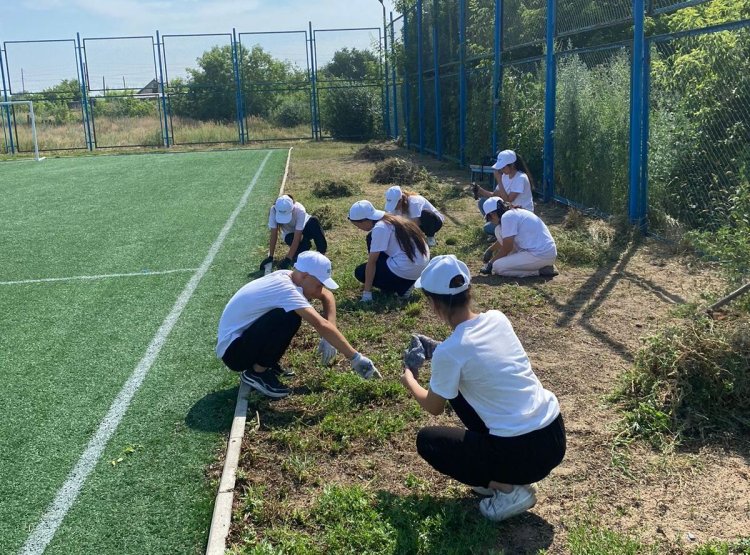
column 114, row 272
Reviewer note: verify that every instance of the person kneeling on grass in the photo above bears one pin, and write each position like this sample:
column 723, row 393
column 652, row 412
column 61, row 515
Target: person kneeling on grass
column 261, row 319
column 397, row 251
column 417, row 208
column 514, row 433
column 298, row 228
column 524, row 246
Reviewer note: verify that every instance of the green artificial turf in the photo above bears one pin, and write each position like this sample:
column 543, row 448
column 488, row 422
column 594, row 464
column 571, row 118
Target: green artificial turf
column 67, row 348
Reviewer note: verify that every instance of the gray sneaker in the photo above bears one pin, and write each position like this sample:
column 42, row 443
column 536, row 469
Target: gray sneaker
column 505, row 505
column 548, row 271
column 265, row 382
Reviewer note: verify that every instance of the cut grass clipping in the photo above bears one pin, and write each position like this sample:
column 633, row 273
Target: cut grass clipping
column 399, row 171
column 690, row 381
column 335, row 188
column 371, row 154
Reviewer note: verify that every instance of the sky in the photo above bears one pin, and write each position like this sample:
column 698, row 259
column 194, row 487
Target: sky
column 32, row 66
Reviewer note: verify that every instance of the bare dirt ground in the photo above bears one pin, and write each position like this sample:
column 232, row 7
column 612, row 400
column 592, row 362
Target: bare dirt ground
column 582, row 331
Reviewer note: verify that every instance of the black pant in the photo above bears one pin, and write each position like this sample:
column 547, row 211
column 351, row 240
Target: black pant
column 385, row 279
column 264, row 342
column 474, row 457
column 311, row 232
column 429, row 223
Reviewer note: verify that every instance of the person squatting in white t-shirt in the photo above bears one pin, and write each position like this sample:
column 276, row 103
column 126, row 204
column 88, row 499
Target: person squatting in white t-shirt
column 298, row 228
column 260, row 320
column 512, row 184
column 397, row 251
column 417, row 208
column 513, row 432
column 524, row 245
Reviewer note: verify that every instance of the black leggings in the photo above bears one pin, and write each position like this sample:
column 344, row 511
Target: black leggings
column 264, row 342
column 311, row 232
column 475, row 457
column 385, row 279
column 429, row 223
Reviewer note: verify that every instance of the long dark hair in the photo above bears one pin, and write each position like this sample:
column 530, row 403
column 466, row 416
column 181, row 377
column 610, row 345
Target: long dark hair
column 410, row 238
column 520, row 165
column 447, row 304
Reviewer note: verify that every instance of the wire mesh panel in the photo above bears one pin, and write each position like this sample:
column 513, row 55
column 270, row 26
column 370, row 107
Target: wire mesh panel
column 45, row 72
column 276, row 88
column 430, row 125
column 396, row 113
column 664, row 6
column 479, row 112
column 524, row 23
column 124, row 91
column 480, row 29
column 450, row 116
column 520, row 125
column 200, row 88
column 574, row 16
column 592, row 128
column 699, row 145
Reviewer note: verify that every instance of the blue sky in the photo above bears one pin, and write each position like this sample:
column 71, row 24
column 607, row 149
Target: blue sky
column 131, row 60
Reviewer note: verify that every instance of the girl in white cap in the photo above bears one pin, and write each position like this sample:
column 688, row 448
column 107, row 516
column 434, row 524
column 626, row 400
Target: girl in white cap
column 260, row 320
column 417, row 208
column 298, row 228
column 397, row 251
column 513, row 432
column 524, row 245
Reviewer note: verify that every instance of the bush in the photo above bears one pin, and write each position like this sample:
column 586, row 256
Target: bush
column 331, row 188
column 399, row 171
column 291, row 113
column 351, row 112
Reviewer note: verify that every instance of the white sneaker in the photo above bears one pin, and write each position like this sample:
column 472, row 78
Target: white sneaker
column 431, row 242
column 505, row 505
column 484, row 492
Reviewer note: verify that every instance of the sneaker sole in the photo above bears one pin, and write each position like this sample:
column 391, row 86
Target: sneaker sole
column 263, row 388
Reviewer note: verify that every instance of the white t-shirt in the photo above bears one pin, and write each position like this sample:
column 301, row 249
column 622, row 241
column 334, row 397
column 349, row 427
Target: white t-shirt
column 519, row 184
column 484, row 361
column 417, row 204
column 299, row 220
column 529, row 231
column 384, row 240
column 253, row 300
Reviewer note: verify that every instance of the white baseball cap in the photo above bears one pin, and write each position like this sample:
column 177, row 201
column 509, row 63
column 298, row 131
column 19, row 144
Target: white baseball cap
column 439, row 273
column 504, row 158
column 284, row 205
column 318, row 266
column 491, row 204
column 364, row 210
column 392, row 196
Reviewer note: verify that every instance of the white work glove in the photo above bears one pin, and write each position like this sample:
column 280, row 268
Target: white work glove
column 364, row 367
column 267, row 268
column 327, row 352
column 420, row 349
column 366, row 296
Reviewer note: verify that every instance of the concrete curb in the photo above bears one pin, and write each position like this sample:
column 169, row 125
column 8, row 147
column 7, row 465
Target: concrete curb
column 222, row 517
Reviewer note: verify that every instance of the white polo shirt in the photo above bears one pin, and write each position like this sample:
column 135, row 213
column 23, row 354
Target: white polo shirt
column 484, row 361
column 384, row 240
column 529, row 231
column 253, row 300
column 519, row 184
column 299, row 220
column 417, row 204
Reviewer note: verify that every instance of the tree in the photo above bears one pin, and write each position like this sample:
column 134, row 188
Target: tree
column 352, row 65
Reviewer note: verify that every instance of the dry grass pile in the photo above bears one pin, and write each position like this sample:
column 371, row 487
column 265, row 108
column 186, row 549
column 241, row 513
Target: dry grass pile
column 335, row 188
column 399, row 171
column 371, row 153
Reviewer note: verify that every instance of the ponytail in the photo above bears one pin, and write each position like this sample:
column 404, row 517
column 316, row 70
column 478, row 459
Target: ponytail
column 410, row 238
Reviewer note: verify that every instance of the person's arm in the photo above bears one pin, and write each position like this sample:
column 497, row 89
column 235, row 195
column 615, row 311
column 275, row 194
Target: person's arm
column 327, row 331
column 329, row 305
column 427, row 399
column 295, row 244
column 506, row 247
column 372, row 261
column 482, row 192
column 273, row 236
column 512, row 197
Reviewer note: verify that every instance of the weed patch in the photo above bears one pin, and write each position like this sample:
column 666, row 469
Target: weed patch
column 371, row 153
column 335, row 188
column 399, row 171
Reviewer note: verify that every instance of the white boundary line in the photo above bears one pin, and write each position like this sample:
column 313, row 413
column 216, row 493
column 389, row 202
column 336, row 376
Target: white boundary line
column 68, row 493
column 102, row 276
column 222, row 517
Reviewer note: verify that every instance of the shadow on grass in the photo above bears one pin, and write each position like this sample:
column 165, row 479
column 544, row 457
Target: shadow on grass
column 214, row 412
column 426, row 524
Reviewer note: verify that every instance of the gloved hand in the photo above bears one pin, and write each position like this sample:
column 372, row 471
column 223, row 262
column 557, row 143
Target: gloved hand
column 414, row 356
column 327, row 352
column 366, row 296
column 428, row 344
column 267, row 260
column 475, row 190
column 364, row 367
column 286, row 263
column 486, row 269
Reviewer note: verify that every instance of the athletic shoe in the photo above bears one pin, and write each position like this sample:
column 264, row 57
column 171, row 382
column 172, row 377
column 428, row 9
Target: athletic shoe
column 505, row 505
column 548, row 271
column 431, row 242
column 484, row 492
column 265, row 382
column 406, row 294
column 281, row 372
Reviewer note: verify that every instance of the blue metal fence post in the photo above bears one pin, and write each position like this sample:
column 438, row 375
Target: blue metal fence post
column 314, row 86
column 496, row 70
column 393, row 80
column 549, row 104
column 238, row 87
column 462, row 81
column 420, row 84
column 635, row 205
column 162, row 92
column 645, row 136
column 438, row 99
column 6, row 109
column 406, row 91
column 84, row 95
column 386, row 96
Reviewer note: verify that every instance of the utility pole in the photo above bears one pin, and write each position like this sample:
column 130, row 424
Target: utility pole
column 23, row 83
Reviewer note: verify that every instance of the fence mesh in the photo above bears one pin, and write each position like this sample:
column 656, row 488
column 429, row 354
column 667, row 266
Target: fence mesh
column 663, row 6
column 578, row 15
column 524, row 22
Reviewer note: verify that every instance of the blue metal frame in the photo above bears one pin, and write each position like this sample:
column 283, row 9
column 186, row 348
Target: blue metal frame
column 393, row 78
column 549, row 104
column 6, row 109
column 733, row 26
column 84, row 94
column 420, row 84
column 635, row 206
column 438, row 98
column 673, row 7
column 462, row 102
column 238, row 87
column 496, row 77
column 386, row 93
column 405, row 89
column 162, row 93
column 314, row 84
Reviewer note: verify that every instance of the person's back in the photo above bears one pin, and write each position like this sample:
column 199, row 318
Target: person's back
column 530, row 232
column 520, row 184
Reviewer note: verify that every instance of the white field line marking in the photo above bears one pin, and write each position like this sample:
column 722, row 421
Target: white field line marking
column 66, row 496
column 102, row 276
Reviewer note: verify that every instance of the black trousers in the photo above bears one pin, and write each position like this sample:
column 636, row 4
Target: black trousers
column 264, row 342
column 474, row 457
column 385, row 279
column 429, row 223
column 311, row 232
